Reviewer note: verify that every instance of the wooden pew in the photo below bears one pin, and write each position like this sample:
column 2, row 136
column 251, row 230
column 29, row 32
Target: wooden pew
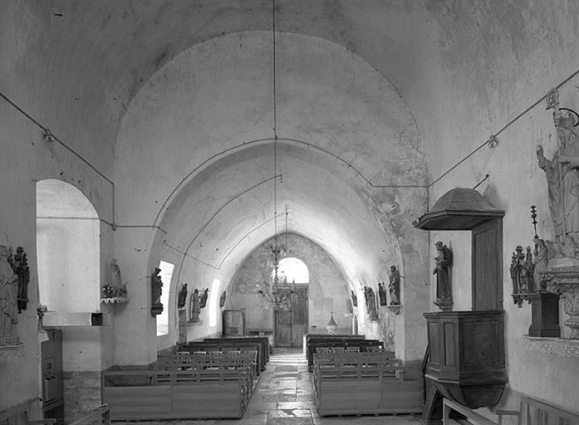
column 314, row 337
column 531, row 412
column 203, row 361
column 345, row 343
column 364, row 383
column 208, row 346
column 216, row 393
column 263, row 340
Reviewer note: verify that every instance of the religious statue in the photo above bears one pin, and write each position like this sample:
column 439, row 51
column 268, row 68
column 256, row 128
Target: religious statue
column 522, row 275
column 394, row 286
column 442, row 271
column 116, row 279
column 115, row 287
column 222, row 299
column 156, row 291
column 371, row 302
column 20, row 266
column 182, row 298
column 562, row 173
column 354, row 298
column 8, row 300
column 203, row 299
column 195, row 307
column 382, row 294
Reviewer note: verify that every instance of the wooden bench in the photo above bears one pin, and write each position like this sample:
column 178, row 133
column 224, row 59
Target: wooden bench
column 315, row 337
column 531, row 412
column 345, row 343
column 215, row 393
column 363, row 383
column 263, row 340
column 203, row 361
column 220, row 346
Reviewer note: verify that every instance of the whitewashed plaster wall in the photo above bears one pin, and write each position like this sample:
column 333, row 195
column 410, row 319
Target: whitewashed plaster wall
column 29, row 72
column 27, row 158
column 500, row 91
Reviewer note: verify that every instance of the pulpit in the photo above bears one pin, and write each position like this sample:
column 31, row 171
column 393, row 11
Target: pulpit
column 467, row 356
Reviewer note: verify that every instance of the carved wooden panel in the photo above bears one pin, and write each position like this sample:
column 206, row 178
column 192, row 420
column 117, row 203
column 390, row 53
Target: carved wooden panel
column 487, row 283
column 467, row 357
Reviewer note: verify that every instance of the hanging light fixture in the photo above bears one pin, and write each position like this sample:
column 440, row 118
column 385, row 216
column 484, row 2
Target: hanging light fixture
column 276, row 293
column 332, row 326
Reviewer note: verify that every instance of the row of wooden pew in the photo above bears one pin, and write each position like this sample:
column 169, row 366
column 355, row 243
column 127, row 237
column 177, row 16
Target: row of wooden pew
column 202, row 380
column 355, row 376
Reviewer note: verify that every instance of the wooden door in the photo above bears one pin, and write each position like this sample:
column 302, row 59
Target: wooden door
column 487, row 257
column 291, row 325
column 234, row 322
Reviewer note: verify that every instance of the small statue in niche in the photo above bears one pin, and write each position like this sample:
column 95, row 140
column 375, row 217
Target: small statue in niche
column 203, row 298
column 182, row 298
column 354, row 298
column 195, row 307
column 156, row 292
column 522, row 275
column 222, row 299
column 442, row 272
column 544, row 251
column 562, row 173
column 371, row 303
column 8, row 300
column 394, row 286
column 382, row 294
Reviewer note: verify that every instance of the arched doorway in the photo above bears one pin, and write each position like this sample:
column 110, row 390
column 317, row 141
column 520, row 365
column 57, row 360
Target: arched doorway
column 291, row 323
column 69, row 280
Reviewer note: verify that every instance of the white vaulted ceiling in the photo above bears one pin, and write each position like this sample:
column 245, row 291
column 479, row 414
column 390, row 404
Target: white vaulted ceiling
column 174, row 101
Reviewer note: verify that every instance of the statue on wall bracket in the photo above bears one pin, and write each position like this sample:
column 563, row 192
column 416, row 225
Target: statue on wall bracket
column 442, row 270
column 9, row 283
column 394, row 286
column 194, row 307
column 562, row 174
column 182, row 298
column 370, row 303
column 156, row 292
column 559, row 258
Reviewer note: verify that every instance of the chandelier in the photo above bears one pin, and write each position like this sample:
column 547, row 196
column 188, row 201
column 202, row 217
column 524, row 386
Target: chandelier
column 277, row 293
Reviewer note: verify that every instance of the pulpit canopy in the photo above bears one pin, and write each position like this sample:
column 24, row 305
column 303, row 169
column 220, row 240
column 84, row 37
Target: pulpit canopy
column 458, row 209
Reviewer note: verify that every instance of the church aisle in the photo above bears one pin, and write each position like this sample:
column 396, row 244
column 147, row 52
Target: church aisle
column 285, row 396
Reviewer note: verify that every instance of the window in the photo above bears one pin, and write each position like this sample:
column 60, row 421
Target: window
column 163, row 318
column 213, row 302
column 294, row 269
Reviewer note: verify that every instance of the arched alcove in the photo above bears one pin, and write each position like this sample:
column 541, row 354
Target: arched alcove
column 68, row 248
